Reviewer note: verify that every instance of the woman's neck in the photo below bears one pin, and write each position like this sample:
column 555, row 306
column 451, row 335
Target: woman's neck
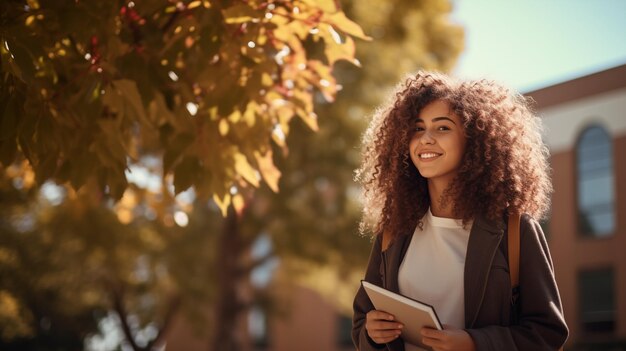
column 436, row 190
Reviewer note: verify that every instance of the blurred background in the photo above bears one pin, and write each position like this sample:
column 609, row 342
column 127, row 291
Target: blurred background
column 178, row 175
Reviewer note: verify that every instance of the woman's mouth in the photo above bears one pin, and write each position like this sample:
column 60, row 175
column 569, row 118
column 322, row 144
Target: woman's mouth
column 428, row 155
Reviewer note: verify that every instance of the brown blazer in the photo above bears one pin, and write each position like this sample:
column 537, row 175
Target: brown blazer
column 488, row 310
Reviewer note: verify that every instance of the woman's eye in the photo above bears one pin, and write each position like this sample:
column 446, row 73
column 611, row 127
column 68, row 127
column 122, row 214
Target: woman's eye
column 419, row 129
column 443, row 128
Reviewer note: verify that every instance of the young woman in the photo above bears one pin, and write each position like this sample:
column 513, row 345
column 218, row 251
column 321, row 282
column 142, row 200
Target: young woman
column 444, row 165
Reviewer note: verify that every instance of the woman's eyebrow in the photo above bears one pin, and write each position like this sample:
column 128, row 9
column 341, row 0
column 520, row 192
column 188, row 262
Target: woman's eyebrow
column 438, row 119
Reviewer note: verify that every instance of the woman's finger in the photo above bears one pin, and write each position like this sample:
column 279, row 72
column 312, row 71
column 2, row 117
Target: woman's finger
column 375, row 314
column 386, row 340
column 380, row 327
column 383, row 325
column 434, row 343
column 384, row 333
column 384, row 336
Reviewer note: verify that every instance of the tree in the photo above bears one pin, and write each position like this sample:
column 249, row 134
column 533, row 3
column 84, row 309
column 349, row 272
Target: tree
column 89, row 88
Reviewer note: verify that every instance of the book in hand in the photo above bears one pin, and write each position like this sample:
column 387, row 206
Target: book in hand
column 412, row 313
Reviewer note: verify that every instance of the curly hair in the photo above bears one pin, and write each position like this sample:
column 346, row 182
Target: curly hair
column 504, row 168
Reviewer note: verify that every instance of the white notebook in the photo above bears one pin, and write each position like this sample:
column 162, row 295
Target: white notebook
column 412, row 313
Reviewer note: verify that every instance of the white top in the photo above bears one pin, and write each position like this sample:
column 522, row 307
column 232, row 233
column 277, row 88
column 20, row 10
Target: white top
column 432, row 269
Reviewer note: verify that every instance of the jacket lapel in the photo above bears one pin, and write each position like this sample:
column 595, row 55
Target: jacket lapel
column 485, row 237
column 392, row 258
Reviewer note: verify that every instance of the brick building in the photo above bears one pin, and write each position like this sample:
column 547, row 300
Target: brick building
column 585, row 129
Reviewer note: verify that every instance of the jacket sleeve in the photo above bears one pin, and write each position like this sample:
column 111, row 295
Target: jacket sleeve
column 362, row 304
column 541, row 322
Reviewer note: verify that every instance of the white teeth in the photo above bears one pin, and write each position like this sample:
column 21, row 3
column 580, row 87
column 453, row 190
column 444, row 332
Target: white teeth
column 429, row 155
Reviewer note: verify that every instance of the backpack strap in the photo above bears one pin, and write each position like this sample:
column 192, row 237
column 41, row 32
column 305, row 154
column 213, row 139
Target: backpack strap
column 514, row 244
column 513, row 232
column 386, row 240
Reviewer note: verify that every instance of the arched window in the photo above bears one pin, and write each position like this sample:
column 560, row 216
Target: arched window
column 596, row 192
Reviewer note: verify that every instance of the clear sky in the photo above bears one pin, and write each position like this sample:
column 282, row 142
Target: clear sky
column 532, row 44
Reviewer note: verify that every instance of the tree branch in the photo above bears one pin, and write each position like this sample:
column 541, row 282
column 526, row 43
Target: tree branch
column 170, row 22
column 174, row 304
column 118, row 306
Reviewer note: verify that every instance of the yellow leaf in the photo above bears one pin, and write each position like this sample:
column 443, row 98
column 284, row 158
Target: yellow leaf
column 323, row 79
column 322, row 70
column 303, row 101
column 287, row 36
column 239, row 14
column 262, row 37
column 249, row 115
column 243, row 168
column 238, row 203
column 310, row 119
column 223, row 127
column 194, row 4
column 285, row 114
column 328, row 6
column 279, row 139
column 347, row 52
column 270, row 173
column 213, row 113
column 346, row 25
column 222, row 203
column 281, row 17
column 266, row 80
column 299, row 29
column 33, row 4
column 29, row 20
column 235, row 116
column 336, row 50
column 124, row 215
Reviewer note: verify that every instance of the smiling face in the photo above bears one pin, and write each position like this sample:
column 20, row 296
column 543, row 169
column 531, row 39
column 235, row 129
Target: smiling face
column 438, row 144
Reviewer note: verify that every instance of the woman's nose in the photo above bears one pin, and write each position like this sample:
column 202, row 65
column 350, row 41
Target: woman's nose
column 427, row 138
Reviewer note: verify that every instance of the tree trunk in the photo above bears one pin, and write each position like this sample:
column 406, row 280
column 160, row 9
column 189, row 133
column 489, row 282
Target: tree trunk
column 230, row 305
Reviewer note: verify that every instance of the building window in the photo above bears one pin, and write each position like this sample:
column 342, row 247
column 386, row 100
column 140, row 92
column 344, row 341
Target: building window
column 597, row 300
column 596, row 199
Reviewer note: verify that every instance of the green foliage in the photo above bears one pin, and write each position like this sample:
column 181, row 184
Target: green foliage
column 88, row 87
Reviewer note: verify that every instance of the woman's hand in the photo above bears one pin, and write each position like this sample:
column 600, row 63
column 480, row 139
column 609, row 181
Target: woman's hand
column 448, row 339
column 381, row 328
